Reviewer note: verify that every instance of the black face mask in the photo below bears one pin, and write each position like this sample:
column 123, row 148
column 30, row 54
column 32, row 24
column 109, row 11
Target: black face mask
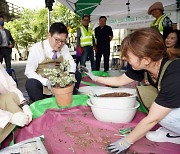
column 1, row 23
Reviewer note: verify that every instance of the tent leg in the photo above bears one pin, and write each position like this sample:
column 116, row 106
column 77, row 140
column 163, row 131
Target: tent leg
column 178, row 19
column 48, row 19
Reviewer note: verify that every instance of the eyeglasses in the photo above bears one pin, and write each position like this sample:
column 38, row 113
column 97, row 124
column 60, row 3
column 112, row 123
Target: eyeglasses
column 59, row 40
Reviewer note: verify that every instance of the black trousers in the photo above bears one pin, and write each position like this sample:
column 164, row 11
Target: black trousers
column 35, row 88
column 5, row 53
column 106, row 54
column 78, row 60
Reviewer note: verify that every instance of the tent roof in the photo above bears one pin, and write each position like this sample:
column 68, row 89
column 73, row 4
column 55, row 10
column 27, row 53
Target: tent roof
column 114, row 8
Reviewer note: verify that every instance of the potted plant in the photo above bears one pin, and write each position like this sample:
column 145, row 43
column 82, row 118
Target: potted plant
column 62, row 82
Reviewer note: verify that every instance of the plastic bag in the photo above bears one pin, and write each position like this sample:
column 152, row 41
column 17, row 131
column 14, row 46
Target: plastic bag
column 30, row 146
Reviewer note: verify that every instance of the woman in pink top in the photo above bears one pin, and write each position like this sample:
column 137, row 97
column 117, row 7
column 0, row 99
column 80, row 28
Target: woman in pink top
column 14, row 109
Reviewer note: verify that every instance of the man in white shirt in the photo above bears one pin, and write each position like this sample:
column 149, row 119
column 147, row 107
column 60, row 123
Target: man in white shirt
column 45, row 54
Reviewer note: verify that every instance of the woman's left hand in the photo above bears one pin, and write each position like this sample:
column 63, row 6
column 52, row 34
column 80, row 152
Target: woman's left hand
column 119, row 146
column 28, row 112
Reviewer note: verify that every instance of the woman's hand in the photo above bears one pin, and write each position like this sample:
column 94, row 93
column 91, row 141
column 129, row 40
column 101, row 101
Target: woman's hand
column 19, row 119
column 119, row 146
column 28, row 112
column 89, row 73
column 155, row 115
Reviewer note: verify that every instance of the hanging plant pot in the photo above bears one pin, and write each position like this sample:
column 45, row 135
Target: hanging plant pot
column 63, row 95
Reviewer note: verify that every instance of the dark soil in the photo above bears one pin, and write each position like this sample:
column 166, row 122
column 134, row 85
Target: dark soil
column 115, row 94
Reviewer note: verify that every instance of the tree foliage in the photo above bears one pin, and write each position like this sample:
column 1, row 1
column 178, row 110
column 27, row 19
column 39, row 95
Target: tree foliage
column 32, row 25
column 62, row 14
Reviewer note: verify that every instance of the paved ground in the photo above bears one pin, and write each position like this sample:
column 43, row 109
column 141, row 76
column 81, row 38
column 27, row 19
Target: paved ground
column 19, row 68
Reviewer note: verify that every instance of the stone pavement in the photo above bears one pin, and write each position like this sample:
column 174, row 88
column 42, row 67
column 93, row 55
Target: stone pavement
column 19, row 68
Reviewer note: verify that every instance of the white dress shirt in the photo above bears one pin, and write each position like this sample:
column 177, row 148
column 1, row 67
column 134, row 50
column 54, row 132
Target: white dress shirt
column 7, row 84
column 4, row 38
column 36, row 56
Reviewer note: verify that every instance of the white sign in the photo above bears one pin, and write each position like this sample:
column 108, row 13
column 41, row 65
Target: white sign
column 136, row 22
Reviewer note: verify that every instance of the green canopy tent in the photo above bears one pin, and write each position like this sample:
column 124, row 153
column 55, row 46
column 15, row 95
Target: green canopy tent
column 119, row 12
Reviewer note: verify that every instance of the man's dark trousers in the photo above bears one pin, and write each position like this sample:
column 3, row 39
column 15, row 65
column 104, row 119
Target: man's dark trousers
column 5, row 53
column 106, row 54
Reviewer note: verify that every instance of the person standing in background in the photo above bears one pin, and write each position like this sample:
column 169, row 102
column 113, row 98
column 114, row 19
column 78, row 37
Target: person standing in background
column 173, row 39
column 172, row 42
column 103, row 34
column 85, row 42
column 162, row 23
column 6, row 44
column 1, row 18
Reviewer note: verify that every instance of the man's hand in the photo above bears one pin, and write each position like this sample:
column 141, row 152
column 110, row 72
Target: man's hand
column 19, row 119
column 28, row 112
column 119, row 146
column 83, row 69
column 89, row 73
column 110, row 38
column 95, row 49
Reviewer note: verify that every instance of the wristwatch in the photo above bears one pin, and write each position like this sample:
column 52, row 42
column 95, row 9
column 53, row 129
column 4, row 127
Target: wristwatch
column 25, row 102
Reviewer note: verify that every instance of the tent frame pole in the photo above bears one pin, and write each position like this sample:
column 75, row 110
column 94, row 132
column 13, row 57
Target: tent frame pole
column 49, row 14
column 87, row 8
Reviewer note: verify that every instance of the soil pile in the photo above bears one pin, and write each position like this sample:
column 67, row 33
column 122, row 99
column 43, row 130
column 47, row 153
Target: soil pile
column 115, row 94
